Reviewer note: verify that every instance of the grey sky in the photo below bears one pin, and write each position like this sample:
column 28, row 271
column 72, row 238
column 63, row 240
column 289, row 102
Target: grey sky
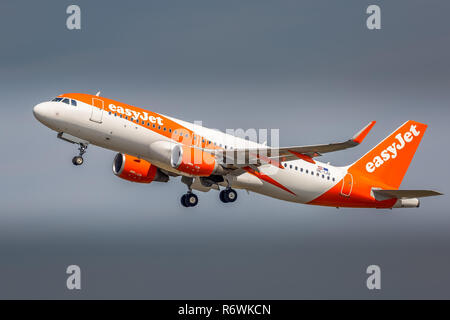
column 310, row 68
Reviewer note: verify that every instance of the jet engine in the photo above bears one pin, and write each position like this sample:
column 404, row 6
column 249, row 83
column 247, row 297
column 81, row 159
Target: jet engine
column 194, row 161
column 137, row 170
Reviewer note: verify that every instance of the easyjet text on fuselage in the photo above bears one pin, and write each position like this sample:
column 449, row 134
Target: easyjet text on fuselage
column 144, row 116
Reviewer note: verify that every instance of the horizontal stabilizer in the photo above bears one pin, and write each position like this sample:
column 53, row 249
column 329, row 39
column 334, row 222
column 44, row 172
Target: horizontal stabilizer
column 404, row 194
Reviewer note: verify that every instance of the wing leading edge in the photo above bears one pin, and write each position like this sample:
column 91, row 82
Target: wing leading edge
column 256, row 156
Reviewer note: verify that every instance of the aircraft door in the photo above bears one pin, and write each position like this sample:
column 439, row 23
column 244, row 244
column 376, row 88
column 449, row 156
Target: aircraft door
column 97, row 110
column 347, row 185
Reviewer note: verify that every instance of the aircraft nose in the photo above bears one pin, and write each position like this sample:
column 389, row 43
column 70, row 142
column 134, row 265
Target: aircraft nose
column 41, row 111
column 37, row 110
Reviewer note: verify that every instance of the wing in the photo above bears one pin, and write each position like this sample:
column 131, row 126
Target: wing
column 257, row 156
column 404, row 194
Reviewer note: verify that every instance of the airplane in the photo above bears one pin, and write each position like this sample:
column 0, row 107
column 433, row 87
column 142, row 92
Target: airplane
column 153, row 147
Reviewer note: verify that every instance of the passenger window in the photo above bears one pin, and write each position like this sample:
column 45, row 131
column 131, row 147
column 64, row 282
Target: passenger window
column 301, row 169
column 296, row 168
column 290, row 166
column 66, row 101
column 164, row 128
column 323, row 176
column 109, row 113
column 333, row 179
column 328, row 178
column 285, row 164
column 312, row 173
column 170, row 130
column 306, row 170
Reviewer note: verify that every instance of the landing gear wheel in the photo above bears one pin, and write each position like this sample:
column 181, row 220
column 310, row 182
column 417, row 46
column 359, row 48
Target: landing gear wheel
column 189, row 200
column 183, row 201
column 78, row 160
column 223, row 197
column 228, row 195
column 231, row 195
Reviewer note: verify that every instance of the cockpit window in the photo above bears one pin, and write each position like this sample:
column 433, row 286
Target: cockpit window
column 74, row 103
column 66, row 101
column 57, row 99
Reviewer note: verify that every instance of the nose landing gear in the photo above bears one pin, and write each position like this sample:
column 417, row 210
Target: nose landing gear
column 78, row 160
column 83, row 144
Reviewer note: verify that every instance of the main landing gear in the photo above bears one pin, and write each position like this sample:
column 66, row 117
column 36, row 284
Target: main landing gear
column 78, row 160
column 228, row 195
column 188, row 199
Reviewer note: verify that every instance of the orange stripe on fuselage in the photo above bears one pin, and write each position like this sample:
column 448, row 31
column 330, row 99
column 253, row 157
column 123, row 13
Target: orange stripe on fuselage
column 267, row 179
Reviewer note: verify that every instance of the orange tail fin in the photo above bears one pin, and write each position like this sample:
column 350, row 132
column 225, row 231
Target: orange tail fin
column 390, row 159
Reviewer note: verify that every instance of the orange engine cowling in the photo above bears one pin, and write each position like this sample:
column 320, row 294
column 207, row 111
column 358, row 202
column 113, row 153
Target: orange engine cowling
column 194, row 161
column 136, row 170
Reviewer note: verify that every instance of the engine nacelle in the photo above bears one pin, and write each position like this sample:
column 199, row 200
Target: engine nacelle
column 136, row 170
column 194, row 161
